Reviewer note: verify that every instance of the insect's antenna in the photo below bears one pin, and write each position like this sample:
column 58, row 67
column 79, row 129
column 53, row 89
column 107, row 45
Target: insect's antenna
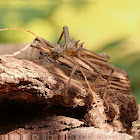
column 29, row 32
column 94, row 97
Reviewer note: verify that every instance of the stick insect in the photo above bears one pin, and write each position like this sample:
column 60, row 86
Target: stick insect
column 69, row 51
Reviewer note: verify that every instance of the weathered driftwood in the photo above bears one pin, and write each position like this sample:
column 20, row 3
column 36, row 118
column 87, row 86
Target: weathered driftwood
column 44, row 82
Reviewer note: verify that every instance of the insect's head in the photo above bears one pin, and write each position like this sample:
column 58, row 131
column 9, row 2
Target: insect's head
column 56, row 52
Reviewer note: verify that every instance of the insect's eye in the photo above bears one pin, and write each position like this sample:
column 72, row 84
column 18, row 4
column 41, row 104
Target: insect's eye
column 41, row 53
column 37, row 40
column 55, row 55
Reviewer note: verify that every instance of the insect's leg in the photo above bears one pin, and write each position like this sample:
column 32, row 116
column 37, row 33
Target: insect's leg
column 104, row 125
column 67, row 86
column 45, row 41
column 96, row 80
column 101, row 63
column 72, row 73
column 89, row 64
column 107, row 65
column 18, row 52
column 105, row 89
column 39, row 46
column 65, row 32
column 98, row 71
column 68, row 83
column 92, row 92
column 95, row 68
column 66, row 35
column 100, row 56
column 60, row 37
column 107, row 83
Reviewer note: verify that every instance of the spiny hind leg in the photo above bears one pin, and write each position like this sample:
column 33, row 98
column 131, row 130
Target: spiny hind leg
column 93, row 66
column 91, row 91
column 76, row 63
column 106, row 65
column 65, row 32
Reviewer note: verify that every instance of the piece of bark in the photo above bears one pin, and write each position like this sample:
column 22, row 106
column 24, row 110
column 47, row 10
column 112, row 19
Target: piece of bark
column 52, row 124
column 135, row 130
column 61, row 127
column 53, row 127
column 44, row 82
column 90, row 133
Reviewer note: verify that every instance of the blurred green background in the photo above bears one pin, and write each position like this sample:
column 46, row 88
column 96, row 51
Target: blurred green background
column 111, row 26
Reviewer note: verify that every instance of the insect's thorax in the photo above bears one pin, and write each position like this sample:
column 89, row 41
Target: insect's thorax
column 72, row 52
column 60, row 50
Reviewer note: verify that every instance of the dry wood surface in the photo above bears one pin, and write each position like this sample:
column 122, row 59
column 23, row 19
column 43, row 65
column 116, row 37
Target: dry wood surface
column 42, row 84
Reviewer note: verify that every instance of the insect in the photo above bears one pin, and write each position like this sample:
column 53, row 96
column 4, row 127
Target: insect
column 72, row 51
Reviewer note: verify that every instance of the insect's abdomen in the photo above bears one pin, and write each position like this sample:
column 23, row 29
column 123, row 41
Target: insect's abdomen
column 92, row 55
